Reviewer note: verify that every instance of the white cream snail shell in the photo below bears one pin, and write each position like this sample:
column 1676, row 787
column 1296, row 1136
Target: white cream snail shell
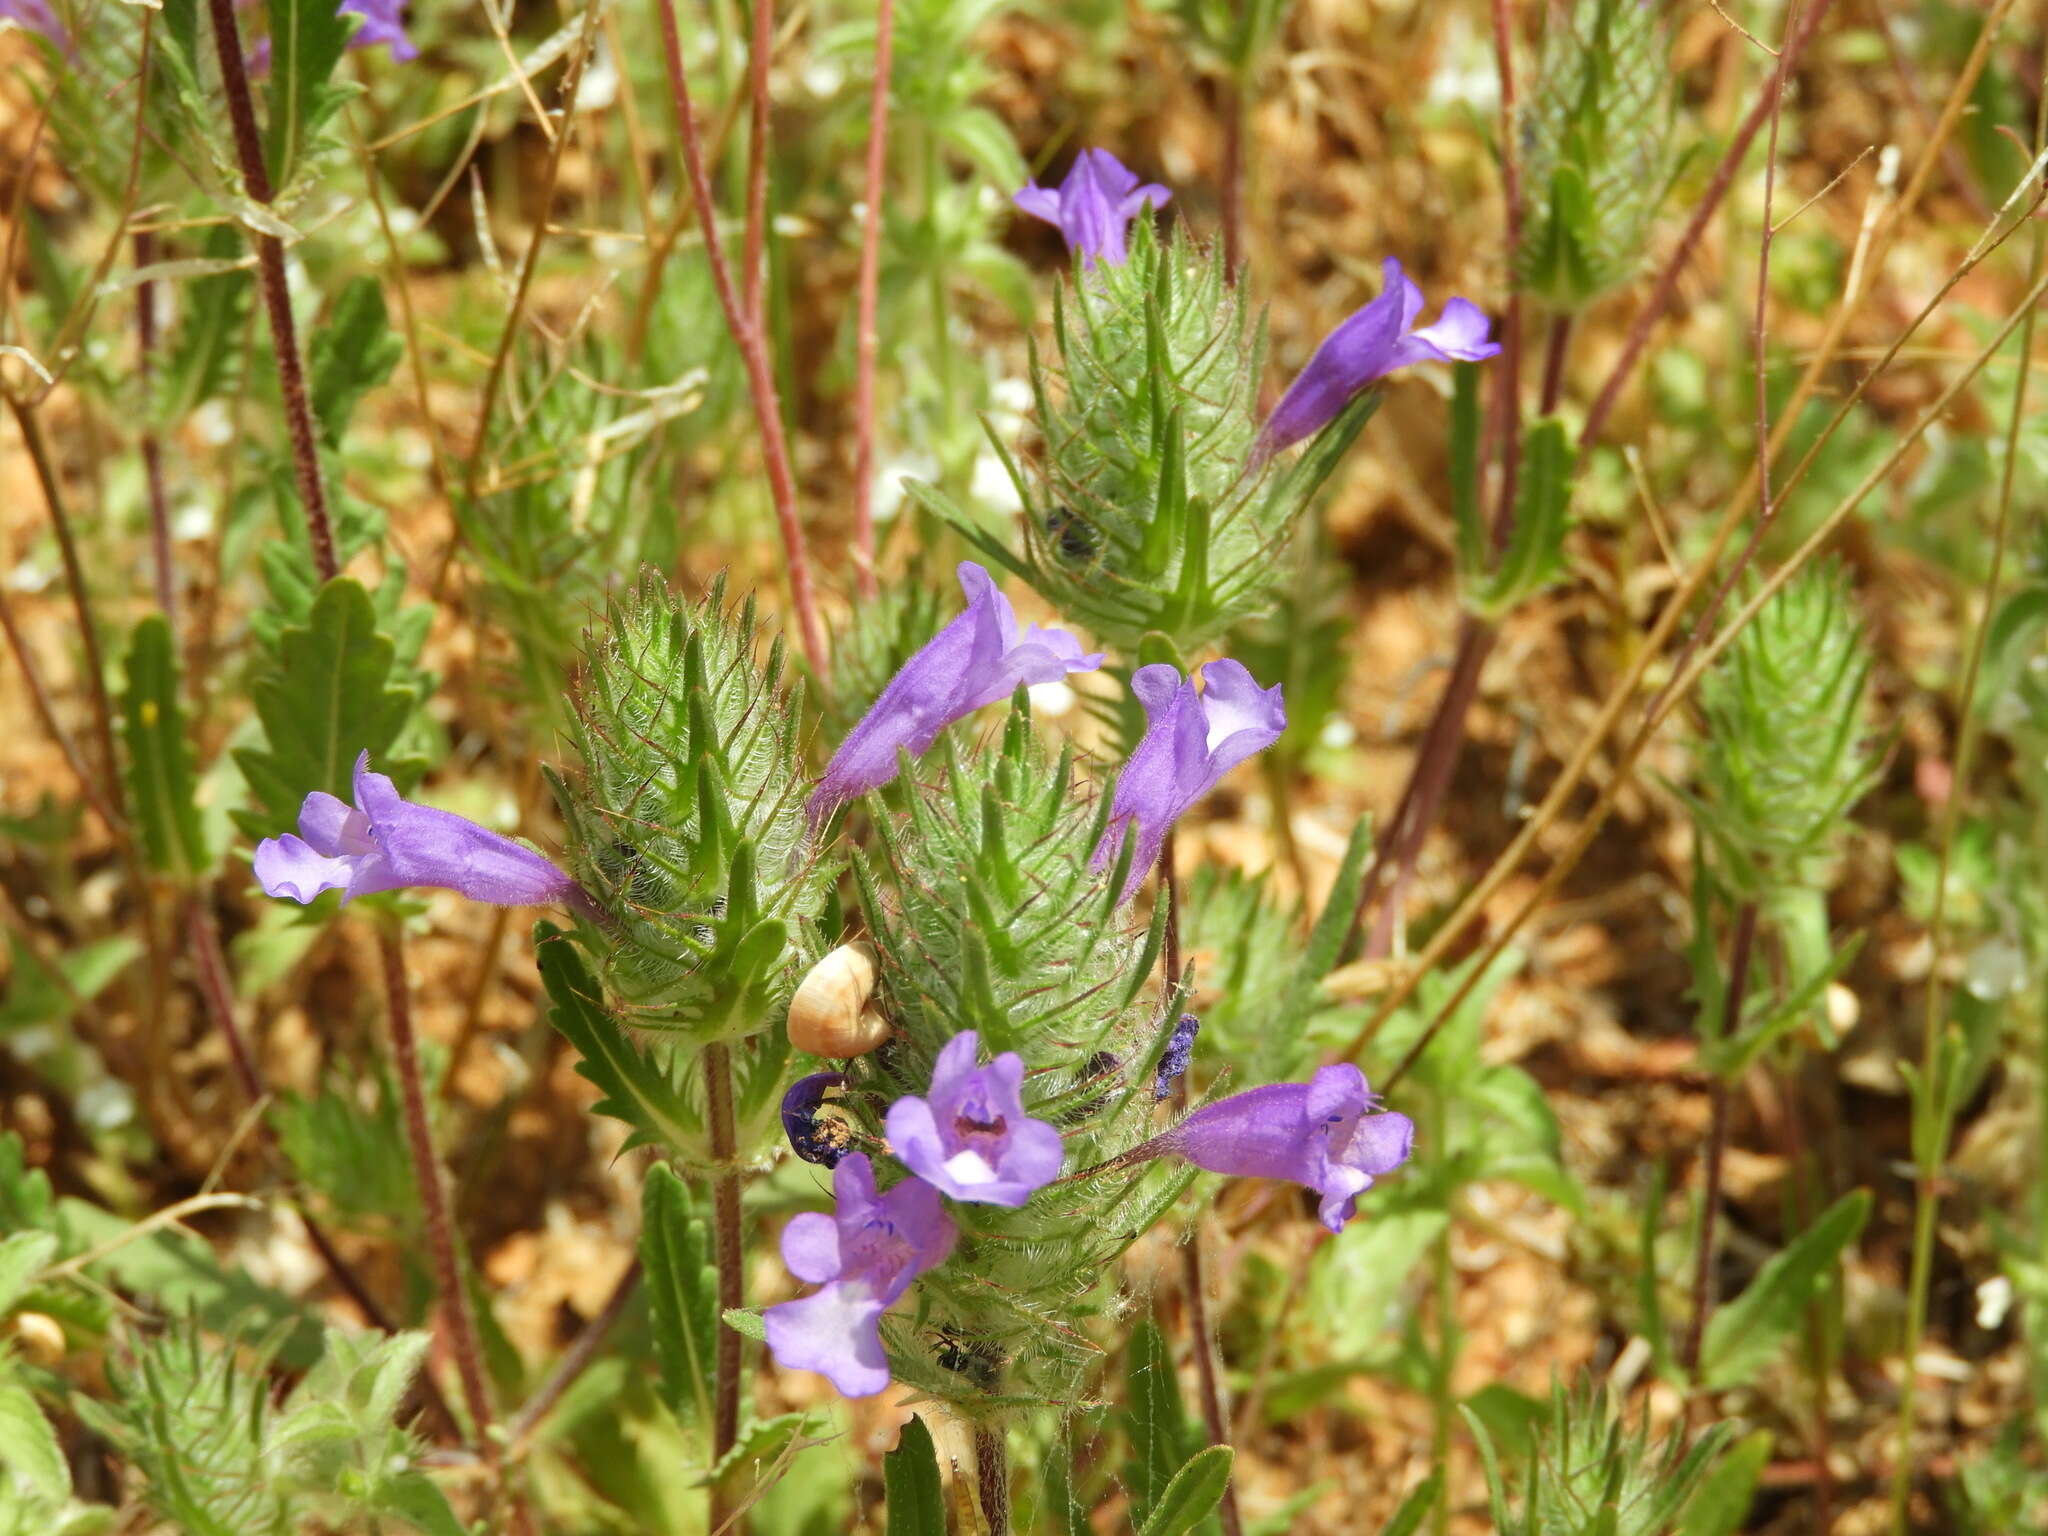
column 830, row 1014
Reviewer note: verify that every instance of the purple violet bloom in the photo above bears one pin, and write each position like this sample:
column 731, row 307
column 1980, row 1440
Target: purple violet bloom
column 1094, row 206
column 974, row 661
column 382, row 843
column 1173, row 1061
column 1371, row 344
column 1323, row 1133
column 971, row 1137
column 864, row 1255
column 38, row 17
column 380, row 24
column 815, row 1141
column 1191, row 740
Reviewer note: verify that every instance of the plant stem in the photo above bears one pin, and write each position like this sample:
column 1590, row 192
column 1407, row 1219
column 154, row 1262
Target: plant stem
column 46, row 711
column 1926, row 1187
column 1444, row 1280
column 1739, row 954
column 1201, row 1340
column 1508, row 385
column 1556, row 347
column 210, row 967
column 81, row 604
column 753, row 354
column 870, row 290
column 277, row 303
column 754, row 246
column 152, row 445
column 992, row 1473
column 1231, row 93
column 426, row 1164
column 727, row 1240
column 519, row 1429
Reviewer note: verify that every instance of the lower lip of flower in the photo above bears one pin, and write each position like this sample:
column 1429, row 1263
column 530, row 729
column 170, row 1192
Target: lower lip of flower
column 970, row 1167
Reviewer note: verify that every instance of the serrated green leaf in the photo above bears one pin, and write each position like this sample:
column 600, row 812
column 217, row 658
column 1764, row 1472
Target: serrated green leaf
column 351, row 353
column 306, row 41
column 162, row 787
column 326, row 698
column 417, row 1499
column 682, row 1293
column 1743, row 1336
column 910, row 1478
column 746, row 1322
column 1197, row 1488
column 29, row 1449
column 635, row 1089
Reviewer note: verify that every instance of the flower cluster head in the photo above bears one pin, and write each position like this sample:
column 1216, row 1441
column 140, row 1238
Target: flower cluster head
column 1371, row 344
column 970, row 1138
column 1094, row 206
column 1327, row 1133
column 1192, row 738
column 383, row 843
column 977, row 659
column 862, row 1257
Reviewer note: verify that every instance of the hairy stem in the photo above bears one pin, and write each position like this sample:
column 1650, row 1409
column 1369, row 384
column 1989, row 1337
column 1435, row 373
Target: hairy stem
column 520, row 1427
column 754, row 247
column 277, row 304
column 728, row 1239
column 1201, row 1341
column 1230, row 105
column 748, row 337
column 870, row 289
column 992, row 1474
column 1739, row 955
column 152, row 445
column 426, row 1164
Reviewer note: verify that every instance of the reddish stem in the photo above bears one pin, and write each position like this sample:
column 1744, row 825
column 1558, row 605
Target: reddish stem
column 870, row 288
column 728, row 1239
column 753, row 353
column 754, row 263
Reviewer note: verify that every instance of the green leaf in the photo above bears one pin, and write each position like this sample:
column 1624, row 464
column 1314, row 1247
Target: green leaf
column 350, row 355
column 211, row 312
column 1154, row 1417
column 1197, row 1488
column 746, row 1322
column 1742, row 1336
column 29, row 1449
column 51, row 994
column 1721, row 1506
column 161, row 782
column 23, row 1256
column 306, row 41
column 682, row 1293
column 910, row 1476
column 636, row 1090
column 1534, row 557
column 1408, row 1518
column 326, row 699
column 417, row 1499
column 1474, row 540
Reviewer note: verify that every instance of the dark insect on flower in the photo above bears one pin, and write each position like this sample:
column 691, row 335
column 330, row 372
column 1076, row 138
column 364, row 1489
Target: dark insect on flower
column 1071, row 534
column 814, row 1140
column 1173, row 1062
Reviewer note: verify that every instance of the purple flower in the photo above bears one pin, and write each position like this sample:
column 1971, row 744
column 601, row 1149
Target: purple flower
column 1371, row 344
column 975, row 660
column 1094, row 206
column 971, row 1137
column 380, row 24
column 37, row 16
column 1173, row 1061
column 864, row 1255
column 1191, row 740
column 815, row 1141
column 1323, row 1133
column 382, row 843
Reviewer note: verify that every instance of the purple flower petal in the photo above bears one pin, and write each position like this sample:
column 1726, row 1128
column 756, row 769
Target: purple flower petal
column 975, row 660
column 876, row 1245
column 1372, row 343
column 971, row 1138
column 380, row 24
column 39, row 17
column 1323, row 1134
column 1192, row 738
column 384, row 843
column 1094, row 206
